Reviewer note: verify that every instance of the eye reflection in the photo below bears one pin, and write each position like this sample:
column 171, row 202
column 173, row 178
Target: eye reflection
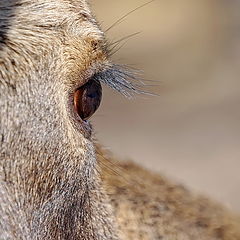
column 87, row 99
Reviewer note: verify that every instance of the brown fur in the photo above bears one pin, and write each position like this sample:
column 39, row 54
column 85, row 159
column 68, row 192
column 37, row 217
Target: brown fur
column 148, row 206
column 51, row 186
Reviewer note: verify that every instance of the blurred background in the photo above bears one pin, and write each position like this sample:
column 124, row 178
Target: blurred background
column 190, row 49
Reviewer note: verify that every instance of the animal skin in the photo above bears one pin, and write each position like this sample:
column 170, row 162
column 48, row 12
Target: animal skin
column 56, row 183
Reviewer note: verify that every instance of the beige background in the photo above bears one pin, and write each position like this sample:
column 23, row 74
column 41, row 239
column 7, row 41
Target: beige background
column 191, row 132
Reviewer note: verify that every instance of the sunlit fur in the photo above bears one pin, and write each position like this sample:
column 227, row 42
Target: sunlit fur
column 53, row 183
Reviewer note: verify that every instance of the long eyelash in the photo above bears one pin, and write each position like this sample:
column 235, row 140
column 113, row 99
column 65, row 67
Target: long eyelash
column 122, row 79
column 117, row 45
column 127, row 14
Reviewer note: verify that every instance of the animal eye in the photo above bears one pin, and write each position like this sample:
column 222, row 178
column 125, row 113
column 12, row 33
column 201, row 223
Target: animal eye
column 87, row 99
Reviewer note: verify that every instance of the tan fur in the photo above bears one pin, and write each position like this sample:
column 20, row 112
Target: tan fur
column 148, row 206
column 51, row 185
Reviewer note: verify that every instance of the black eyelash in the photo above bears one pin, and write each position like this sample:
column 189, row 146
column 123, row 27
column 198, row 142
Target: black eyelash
column 121, row 79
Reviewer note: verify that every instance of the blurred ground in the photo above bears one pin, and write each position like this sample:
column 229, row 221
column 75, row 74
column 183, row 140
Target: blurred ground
column 191, row 132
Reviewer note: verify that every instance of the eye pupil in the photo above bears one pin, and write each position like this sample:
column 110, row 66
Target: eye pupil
column 92, row 95
column 87, row 99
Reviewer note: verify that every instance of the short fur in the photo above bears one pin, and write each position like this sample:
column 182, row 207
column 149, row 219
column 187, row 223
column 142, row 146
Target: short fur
column 51, row 184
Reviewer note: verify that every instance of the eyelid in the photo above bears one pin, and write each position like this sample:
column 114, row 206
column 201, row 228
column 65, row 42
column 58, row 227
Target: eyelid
column 89, row 74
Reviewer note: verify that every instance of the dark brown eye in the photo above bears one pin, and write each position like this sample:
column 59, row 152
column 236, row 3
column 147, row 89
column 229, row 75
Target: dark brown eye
column 87, row 99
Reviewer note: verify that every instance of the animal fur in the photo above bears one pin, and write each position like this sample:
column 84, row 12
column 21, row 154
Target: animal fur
column 53, row 185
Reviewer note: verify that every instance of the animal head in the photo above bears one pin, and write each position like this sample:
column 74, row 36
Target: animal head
column 53, row 59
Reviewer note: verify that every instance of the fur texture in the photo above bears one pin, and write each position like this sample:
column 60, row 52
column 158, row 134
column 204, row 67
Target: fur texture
column 148, row 206
column 51, row 184
column 50, row 188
